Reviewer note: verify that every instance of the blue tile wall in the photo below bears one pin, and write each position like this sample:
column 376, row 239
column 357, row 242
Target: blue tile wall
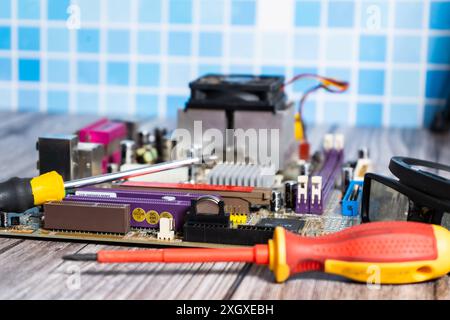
column 5, row 69
column 28, row 9
column 179, row 43
column 29, row 70
column 137, row 56
column 5, row 38
column 58, row 71
column 57, row 101
column 29, row 39
column 5, row 9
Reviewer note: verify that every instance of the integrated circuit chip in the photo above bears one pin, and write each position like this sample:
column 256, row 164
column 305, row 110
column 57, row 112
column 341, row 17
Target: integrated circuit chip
column 293, row 225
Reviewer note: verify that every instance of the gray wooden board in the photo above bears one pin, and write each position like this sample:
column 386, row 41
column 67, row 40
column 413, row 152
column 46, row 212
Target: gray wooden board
column 34, row 269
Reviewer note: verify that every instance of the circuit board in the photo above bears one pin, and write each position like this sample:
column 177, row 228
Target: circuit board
column 237, row 200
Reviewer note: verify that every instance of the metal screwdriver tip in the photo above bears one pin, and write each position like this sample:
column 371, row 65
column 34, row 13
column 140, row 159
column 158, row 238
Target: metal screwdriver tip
column 81, row 257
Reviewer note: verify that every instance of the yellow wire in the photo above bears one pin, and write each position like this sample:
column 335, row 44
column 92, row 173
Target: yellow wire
column 298, row 128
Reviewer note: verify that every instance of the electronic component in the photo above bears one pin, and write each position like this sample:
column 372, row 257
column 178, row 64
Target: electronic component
column 166, row 226
column 243, row 235
column 213, row 215
column 109, row 134
column 242, row 102
column 163, row 145
column 304, row 168
column 144, row 138
column 303, row 194
column 236, row 198
column 351, row 202
column 347, row 177
column 142, row 194
column 237, row 92
column 132, row 128
column 290, row 191
column 9, row 219
column 241, row 174
column 90, row 157
column 293, row 225
column 214, row 226
column 144, row 213
column 238, row 218
column 363, row 153
column 128, row 149
column 314, row 193
column 93, row 217
column 363, row 166
column 32, row 218
column 277, row 201
column 147, row 206
column 69, row 157
column 176, row 175
column 58, row 153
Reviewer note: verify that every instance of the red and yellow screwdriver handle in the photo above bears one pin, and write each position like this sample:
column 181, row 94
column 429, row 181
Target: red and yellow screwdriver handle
column 400, row 252
column 380, row 252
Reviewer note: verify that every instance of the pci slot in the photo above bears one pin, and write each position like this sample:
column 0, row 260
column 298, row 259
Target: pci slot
column 351, row 202
column 144, row 213
column 326, row 182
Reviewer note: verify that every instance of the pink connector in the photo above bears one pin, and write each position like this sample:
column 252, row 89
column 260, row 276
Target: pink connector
column 107, row 133
column 103, row 131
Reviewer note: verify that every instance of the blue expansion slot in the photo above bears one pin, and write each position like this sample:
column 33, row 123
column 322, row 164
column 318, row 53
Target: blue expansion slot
column 351, row 203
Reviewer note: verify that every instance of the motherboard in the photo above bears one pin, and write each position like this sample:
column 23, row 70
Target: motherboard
column 218, row 201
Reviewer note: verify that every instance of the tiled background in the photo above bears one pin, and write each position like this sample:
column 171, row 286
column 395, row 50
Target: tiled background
column 137, row 56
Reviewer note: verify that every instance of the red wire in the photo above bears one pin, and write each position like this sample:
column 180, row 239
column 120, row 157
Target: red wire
column 325, row 83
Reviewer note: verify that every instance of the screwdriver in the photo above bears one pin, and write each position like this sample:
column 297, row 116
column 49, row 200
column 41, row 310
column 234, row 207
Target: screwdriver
column 391, row 252
column 20, row 194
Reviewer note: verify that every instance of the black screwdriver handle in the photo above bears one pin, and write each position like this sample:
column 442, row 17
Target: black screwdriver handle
column 16, row 195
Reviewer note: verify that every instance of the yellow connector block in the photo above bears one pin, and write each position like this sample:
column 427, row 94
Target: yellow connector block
column 238, row 218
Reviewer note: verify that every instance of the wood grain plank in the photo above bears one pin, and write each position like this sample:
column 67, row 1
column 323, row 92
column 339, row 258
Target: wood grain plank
column 259, row 284
column 8, row 243
column 125, row 281
column 28, row 264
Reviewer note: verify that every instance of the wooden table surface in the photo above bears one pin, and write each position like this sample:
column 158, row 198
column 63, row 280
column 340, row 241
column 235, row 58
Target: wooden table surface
column 34, row 269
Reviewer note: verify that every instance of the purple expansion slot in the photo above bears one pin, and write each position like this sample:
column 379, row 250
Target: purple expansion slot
column 145, row 213
column 127, row 193
column 328, row 173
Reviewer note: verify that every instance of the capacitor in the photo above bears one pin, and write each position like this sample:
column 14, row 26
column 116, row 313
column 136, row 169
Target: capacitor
column 347, row 176
column 290, row 194
column 161, row 143
column 363, row 153
column 304, row 168
column 128, row 148
column 144, row 138
column 276, row 202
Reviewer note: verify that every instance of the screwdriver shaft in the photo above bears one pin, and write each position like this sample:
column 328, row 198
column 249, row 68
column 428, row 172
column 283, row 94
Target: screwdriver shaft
column 131, row 173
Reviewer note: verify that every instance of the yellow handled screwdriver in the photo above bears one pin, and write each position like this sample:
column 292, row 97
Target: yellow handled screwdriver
column 20, row 194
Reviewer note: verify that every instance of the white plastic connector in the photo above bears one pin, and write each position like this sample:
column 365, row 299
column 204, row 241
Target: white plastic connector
column 316, row 188
column 339, row 141
column 166, row 231
column 328, row 142
column 363, row 166
column 302, row 188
